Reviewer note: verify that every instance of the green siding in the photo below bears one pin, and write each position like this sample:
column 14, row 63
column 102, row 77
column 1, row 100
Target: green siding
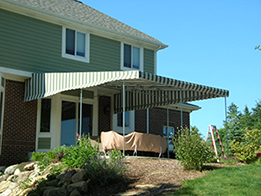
column 34, row 45
column 149, row 61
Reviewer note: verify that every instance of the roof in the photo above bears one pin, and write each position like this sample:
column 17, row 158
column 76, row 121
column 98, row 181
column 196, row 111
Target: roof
column 143, row 90
column 84, row 13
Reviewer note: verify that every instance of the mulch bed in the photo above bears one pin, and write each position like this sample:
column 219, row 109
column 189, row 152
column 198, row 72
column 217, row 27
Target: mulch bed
column 164, row 172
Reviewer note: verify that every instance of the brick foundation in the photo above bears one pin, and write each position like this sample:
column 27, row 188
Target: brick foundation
column 157, row 119
column 19, row 127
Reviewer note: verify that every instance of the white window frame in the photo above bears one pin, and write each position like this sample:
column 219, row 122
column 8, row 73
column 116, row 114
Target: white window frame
column 2, row 89
column 128, row 129
column 85, row 59
column 141, row 57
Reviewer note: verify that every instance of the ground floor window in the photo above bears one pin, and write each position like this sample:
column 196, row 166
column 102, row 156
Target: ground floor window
column 171, row 135
column 129, row 122
column 45, row 115
column 2, row 93
column 70, row 121
column 120, row 119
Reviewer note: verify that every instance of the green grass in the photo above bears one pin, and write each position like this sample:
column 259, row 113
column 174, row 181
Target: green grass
column 243, row 180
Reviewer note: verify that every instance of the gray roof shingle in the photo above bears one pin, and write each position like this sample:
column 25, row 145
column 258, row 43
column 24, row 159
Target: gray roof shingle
column 79, row 11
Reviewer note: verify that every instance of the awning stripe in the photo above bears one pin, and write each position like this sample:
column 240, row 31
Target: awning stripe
column 143, row 90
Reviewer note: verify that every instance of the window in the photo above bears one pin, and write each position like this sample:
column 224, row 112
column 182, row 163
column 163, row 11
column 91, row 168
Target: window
column 129, row 122
column 75, row 45
column 2, row 90
column 171, row 135
column 171, row 132
column 120, row 119
column 132, row 57
column 45, row 115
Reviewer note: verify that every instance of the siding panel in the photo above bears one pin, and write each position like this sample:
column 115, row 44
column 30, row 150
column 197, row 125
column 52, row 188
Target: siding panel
column 33, row 45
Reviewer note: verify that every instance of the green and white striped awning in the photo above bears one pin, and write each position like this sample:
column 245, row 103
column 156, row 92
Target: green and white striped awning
column 143, row 90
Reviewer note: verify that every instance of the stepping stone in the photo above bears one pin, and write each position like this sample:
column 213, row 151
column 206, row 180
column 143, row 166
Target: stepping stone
column 131, row 193
column 147, row 186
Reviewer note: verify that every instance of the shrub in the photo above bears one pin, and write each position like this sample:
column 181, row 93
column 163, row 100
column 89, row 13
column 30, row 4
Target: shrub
column 246, row 150
column 37, row 156
column 191, row 150
column 229, row 161
column 115, row 154
column 104, row 171
column 75, row 156
column 72, row 157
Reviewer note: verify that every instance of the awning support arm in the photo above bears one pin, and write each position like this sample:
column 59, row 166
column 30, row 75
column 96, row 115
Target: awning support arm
column 168, row 128
column 181, row 109
column 226, row 125
column 80, row 130
column 123, row 115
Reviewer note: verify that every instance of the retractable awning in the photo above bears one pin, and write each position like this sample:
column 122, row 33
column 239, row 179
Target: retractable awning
column 143, row 90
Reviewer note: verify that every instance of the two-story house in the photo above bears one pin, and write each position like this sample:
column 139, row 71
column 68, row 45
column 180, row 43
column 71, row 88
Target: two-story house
column 67, row 68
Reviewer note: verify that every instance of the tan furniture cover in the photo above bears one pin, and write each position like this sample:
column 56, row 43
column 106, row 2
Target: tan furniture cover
column 145, row 142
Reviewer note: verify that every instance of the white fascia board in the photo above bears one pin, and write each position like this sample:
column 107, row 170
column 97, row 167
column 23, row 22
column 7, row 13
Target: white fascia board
column 14, row 74
column 64, row 20
column 185, row 107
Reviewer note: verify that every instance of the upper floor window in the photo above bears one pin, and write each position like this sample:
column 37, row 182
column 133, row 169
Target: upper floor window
column 75, row 45
column 132, row 57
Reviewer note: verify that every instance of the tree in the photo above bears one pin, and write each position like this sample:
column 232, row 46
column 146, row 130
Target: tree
column 256, row 116
column 246, row 119
column 234, row 126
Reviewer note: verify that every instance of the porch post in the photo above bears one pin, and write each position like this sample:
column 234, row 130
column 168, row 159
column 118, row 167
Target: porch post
column 123, row 115
column 181, row 108
column 226, row 125
column 80, row 130
column 148, row 120
column 168, row 128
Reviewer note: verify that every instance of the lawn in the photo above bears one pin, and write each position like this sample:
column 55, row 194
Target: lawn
column 243, row 180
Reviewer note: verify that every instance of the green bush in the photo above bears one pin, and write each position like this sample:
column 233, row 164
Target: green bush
column 191, row 150
column 115, row 154
column 72, row 157
column 75, row 156
column 104, row 171
column 37, row 156
column 246, row 151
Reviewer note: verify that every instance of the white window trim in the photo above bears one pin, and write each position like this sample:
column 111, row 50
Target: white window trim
column 2, row 89
column 141, row 57
column 128, row 129
column 85, row 59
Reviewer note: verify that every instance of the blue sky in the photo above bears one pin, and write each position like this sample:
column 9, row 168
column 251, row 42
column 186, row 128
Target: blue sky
column 210, row 43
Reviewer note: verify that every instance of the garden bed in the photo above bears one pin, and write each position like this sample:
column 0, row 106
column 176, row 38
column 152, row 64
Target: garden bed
column 164, row 172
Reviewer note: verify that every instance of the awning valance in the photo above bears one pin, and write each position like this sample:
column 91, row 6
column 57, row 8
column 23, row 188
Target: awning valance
column 143, row 90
